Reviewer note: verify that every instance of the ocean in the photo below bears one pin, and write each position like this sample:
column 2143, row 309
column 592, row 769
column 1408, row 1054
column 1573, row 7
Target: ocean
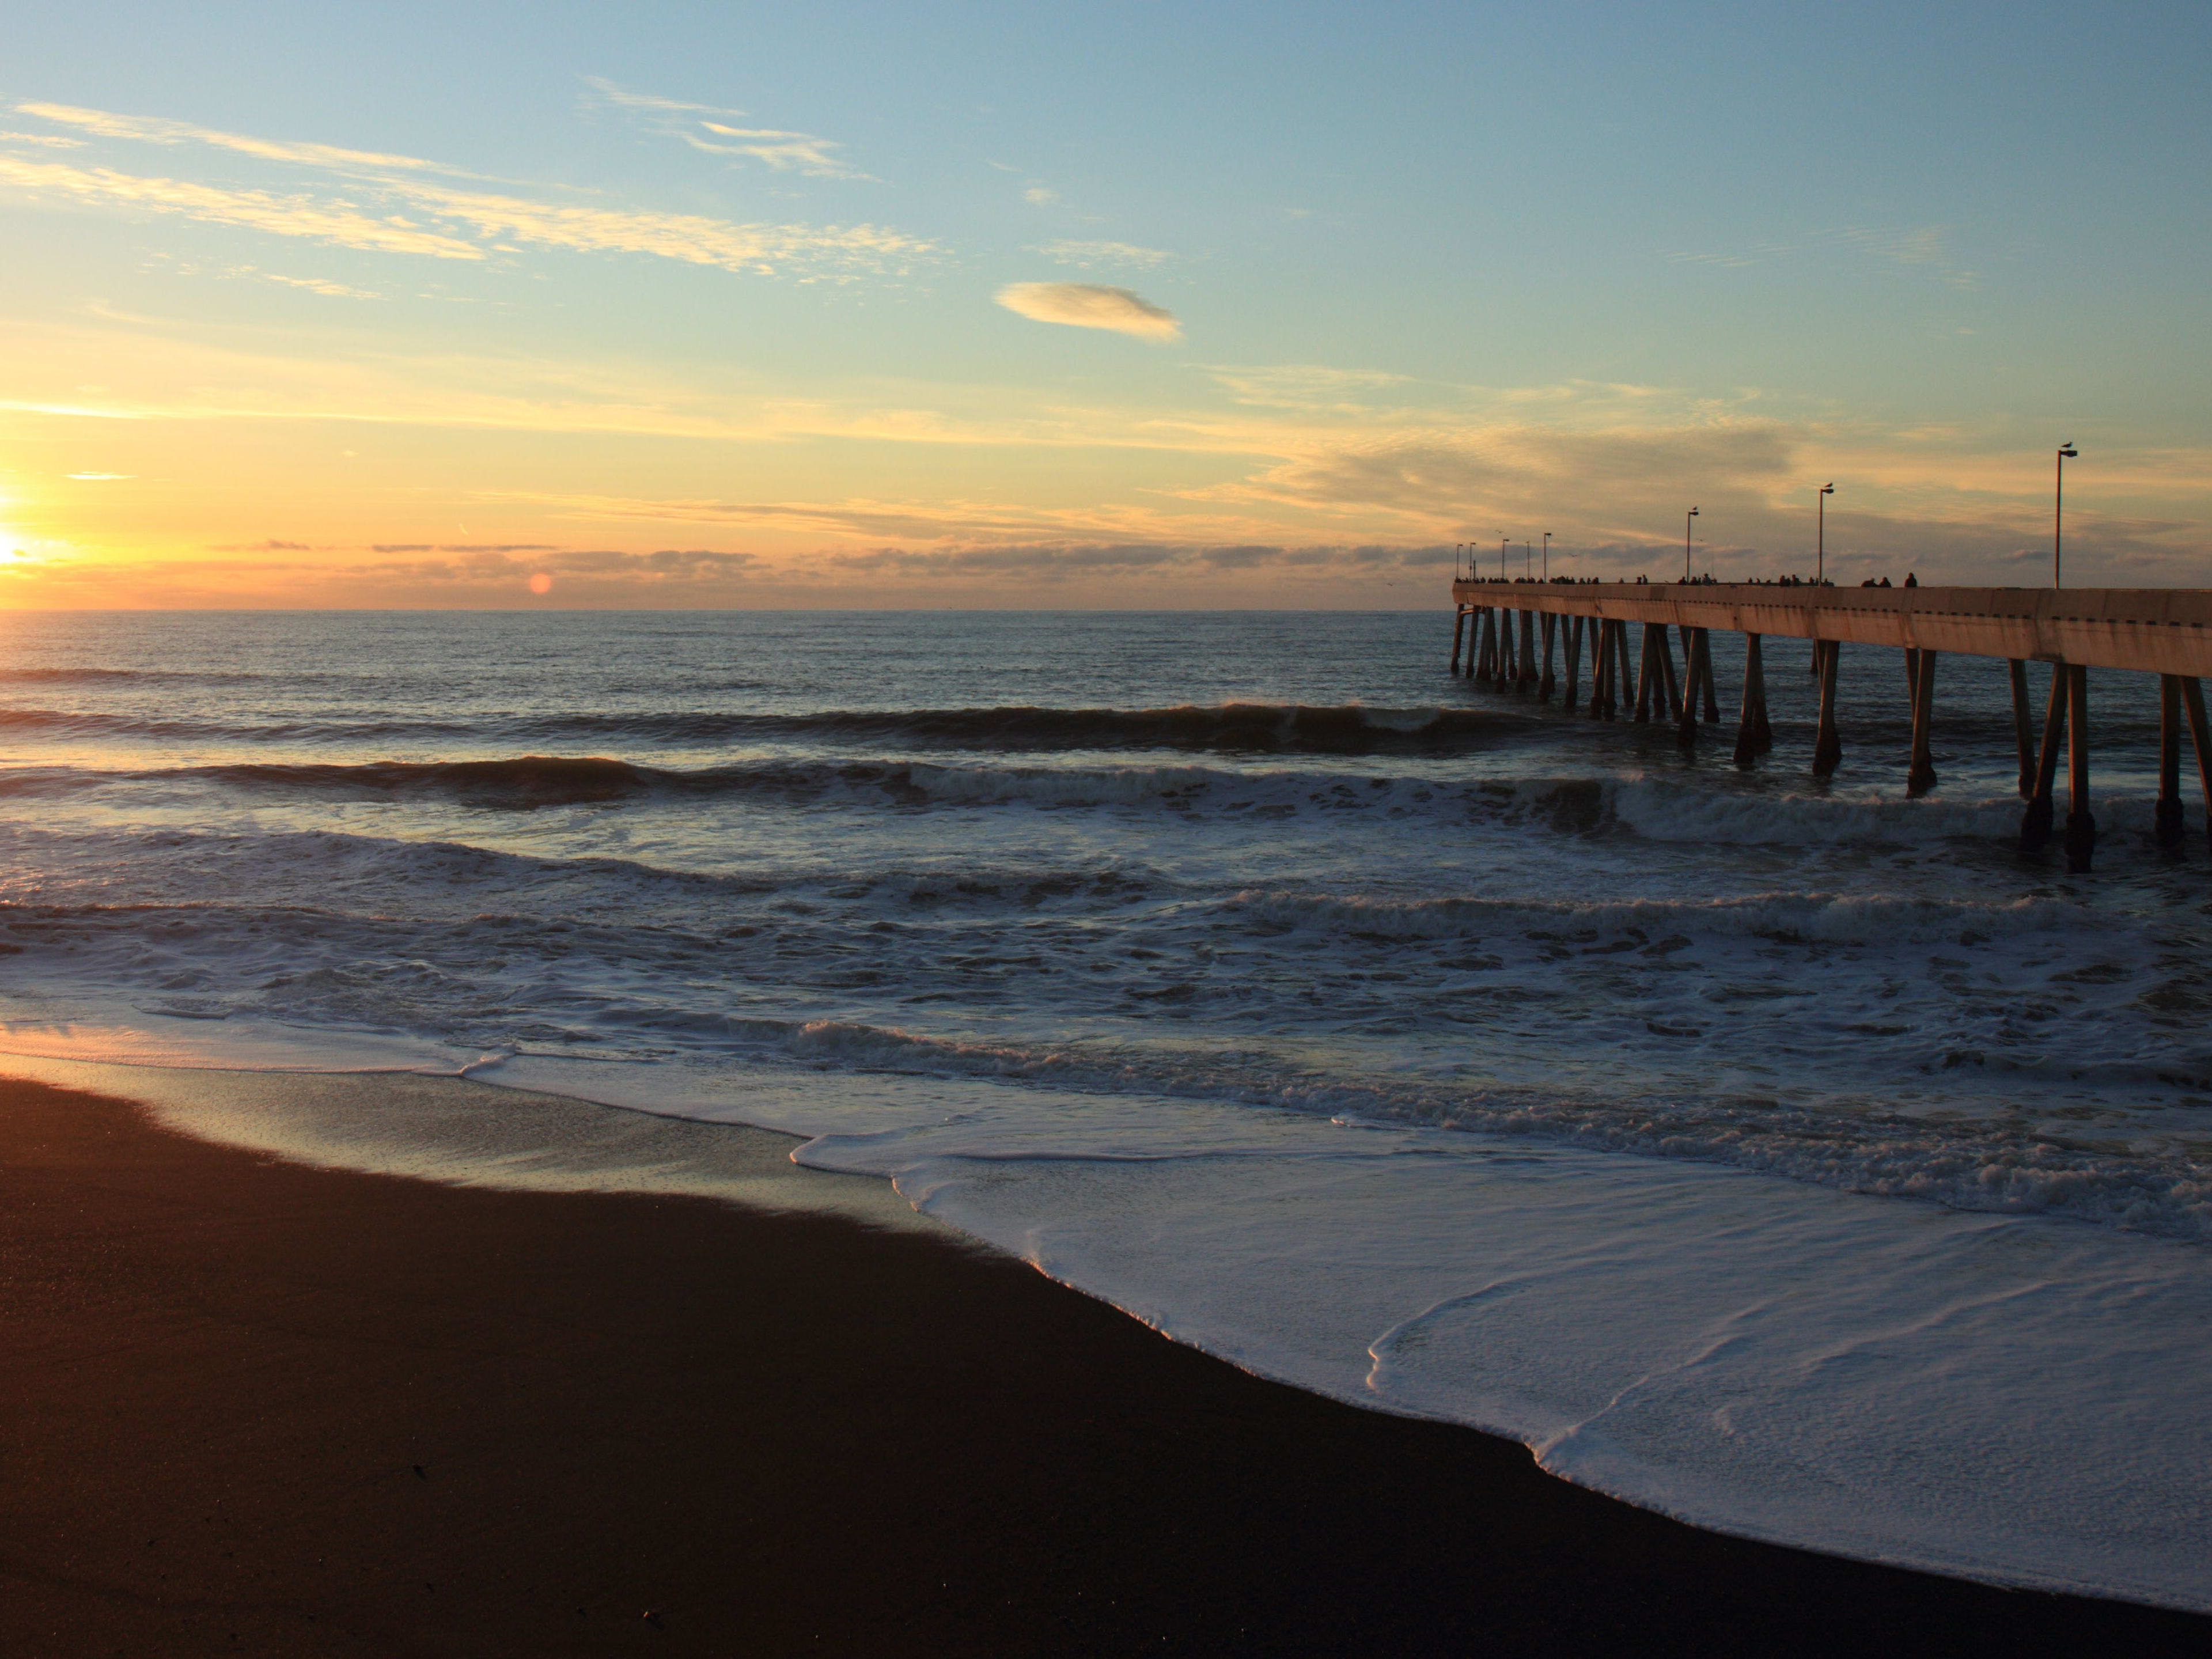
column 1795, row 1158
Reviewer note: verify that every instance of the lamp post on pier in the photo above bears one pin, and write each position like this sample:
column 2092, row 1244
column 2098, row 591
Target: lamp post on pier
column 2058, row 509
column 1502, row 544
column 1547, row 555
column 1820, row 536
column 1686, row 517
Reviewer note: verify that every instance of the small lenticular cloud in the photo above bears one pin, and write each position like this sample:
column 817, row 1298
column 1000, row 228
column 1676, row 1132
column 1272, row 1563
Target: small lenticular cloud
column 1086, row 305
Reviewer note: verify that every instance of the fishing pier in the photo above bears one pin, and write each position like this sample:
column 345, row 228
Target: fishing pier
column 1532, row 637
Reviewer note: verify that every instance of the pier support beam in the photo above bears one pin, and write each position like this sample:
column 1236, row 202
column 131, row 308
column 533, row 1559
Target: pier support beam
column 2023, row 730
column 1574, row 657
column 1612, row 667
column 2169, row 831
column 1547, row 685
column 1828, row 747
column 1647, row 672
column 2200, row 734
column 1485, row 660
column 1527, row 678
column 2035, row 823
column 1753, row 736
column 1459, row 627
column 2081, row 828
column 1697, row 685
column 1922, row 776
column 1686, row 716
column 1667, row 682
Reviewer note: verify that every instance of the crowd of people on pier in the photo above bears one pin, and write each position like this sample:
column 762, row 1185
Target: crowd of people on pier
column 1706, row 580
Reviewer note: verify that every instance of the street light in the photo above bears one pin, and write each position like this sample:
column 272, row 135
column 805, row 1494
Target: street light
column 2058, row 508
column 1686, row 517
column 1820, row 556
column 1547, row 555
column 1459, row 549
column 1502, row 545
column 1528, row 560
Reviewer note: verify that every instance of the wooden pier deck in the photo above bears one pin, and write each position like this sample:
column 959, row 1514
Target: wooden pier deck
column 2162, row 631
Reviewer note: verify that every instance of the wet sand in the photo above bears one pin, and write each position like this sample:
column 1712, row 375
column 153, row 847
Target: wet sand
column 247, row 1406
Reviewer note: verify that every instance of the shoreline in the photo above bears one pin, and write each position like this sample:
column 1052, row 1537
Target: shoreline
column 257, row 1406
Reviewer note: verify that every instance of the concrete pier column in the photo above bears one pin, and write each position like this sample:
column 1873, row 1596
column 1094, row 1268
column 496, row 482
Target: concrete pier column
column 1922, row 776
column 1574, row 630
column 2081, row 828
column 1459, row 627
column 1827, row 746
column 2023, row 730
column 1547, row 683
column 2169, row 832
column 2035, row 823
column 2200, row 735
column 1753, row 735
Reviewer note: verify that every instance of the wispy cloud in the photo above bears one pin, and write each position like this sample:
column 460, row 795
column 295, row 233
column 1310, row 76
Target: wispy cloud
column 1927, row 247
column 100, row 477
column 1086, row 305
column 324, row 220
column 322, row 285
column 709, row 128
column 1041, row 195
column 154, row 130
column 438, row 219
column 1090, row 255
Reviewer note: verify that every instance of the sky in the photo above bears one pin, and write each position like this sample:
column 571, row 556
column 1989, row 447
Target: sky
column 1112, row 305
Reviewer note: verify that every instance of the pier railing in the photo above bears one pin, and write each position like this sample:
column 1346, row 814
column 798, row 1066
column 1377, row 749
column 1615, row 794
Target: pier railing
column 2164, row 631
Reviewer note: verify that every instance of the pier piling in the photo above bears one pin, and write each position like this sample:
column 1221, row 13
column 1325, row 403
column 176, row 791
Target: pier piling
column 1921, row 778
column 1827, row 745
column 2023, row 730
column 2035, row 823
column 2200, row 735
column 1754, row 736
column 1459, row 627
column 2168, row 830
column 1528, row 675
column 2081, row 828
column 1547, row 685
column 1574, row 656
column 1667, row 683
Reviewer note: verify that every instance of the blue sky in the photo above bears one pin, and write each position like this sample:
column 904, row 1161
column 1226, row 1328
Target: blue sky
column 751, row 305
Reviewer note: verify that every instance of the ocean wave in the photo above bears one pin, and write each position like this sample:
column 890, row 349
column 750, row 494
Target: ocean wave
column 1230, row 728
column 1977, row 1165
column 529, row 782
column 1791, row 917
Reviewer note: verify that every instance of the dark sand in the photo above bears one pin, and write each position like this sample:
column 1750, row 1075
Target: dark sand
column 249, row 1406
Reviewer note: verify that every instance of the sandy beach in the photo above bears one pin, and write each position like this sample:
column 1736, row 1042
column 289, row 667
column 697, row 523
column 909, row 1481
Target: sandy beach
column 254, row 1406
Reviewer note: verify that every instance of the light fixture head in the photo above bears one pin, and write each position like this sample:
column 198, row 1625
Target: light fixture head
column 2069, row 450
column 1827, row 490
